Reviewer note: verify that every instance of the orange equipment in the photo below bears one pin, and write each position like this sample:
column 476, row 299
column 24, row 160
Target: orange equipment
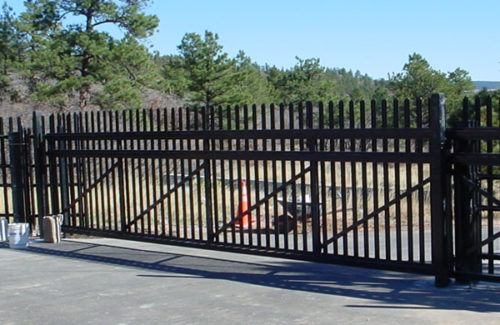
column 243, row 218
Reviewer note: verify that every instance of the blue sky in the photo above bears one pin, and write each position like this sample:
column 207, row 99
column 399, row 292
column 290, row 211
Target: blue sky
column 374, row 37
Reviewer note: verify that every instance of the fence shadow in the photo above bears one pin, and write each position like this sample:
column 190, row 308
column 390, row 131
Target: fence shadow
column 385, row 289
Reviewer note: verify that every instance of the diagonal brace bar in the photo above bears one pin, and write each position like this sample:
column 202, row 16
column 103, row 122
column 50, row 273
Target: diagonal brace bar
column 376, row 212
column 165, row 195
column 480, row 190
column 91, row 187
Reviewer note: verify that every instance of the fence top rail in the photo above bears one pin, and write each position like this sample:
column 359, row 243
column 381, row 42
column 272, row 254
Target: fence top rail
column 474, row 133
column 480, row 159
column 389, row 133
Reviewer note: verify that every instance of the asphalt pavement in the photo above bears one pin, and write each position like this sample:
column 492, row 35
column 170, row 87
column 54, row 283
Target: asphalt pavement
column 109, row 281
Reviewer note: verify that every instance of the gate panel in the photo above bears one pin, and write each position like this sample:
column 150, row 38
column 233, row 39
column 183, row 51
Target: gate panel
column 340, row 184
column 476, row 160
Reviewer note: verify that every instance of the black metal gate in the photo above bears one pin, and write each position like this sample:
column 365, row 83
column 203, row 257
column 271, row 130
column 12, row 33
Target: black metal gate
column 365, row 184
column 346, row 184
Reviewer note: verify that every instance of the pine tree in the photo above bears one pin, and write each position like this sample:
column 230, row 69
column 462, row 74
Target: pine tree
column 73, row 57
column 252, row 86
column 10, row 46
column 208, row 72
column 307, row 81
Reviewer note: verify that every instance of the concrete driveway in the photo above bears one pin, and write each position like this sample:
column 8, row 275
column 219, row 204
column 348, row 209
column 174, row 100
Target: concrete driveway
column 109, row 281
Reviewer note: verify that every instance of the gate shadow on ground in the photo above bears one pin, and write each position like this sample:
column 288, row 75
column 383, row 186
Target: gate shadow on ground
column 385, row 289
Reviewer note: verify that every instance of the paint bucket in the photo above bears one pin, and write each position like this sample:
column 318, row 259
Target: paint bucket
column 18, row 235
column 3, row 229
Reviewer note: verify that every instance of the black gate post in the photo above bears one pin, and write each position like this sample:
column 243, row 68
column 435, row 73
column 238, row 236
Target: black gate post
column 440, row 223
column 18, row 167
column 467, row 216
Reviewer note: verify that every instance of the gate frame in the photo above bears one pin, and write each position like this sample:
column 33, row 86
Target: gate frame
column 441, row 253
column 447, row 203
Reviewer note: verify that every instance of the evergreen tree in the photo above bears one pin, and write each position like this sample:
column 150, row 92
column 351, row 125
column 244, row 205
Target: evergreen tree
column 79, row 55
column 10, row 46
column 305, row 82
column 207, row 74
column 459, row 83
column 252, row 86
column 420, row 80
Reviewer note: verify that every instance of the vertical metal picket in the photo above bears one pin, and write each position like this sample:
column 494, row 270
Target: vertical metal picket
column 207, row 114
column 39, row 164
column 51, row 145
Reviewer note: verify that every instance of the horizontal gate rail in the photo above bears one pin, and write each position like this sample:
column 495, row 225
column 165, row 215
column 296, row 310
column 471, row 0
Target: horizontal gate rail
column 251, row 155
column 487, row 159
column 474, row 133
column 282, row 134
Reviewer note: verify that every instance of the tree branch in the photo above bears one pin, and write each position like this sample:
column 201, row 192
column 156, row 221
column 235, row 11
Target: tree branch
column 106, row 21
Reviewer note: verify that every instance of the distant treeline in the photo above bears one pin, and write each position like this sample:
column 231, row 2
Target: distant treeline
column 487, row 85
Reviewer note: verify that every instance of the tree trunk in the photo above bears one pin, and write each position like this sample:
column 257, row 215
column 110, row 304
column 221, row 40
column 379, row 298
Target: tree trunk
column 86, row 58
column 84, row 97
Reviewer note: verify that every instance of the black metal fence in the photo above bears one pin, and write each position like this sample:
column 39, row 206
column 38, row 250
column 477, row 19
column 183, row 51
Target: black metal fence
column 475, row 159
column 357, row 183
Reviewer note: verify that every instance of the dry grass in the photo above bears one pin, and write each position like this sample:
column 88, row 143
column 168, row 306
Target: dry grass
column 186, row 205
column 366, row 190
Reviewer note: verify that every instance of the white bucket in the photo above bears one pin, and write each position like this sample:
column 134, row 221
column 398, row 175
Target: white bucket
column 18, row 235
column 3, row 229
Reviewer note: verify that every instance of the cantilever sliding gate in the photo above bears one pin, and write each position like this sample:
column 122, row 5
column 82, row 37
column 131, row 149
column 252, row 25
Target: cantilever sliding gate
column 367, row 184
column 334, row 183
